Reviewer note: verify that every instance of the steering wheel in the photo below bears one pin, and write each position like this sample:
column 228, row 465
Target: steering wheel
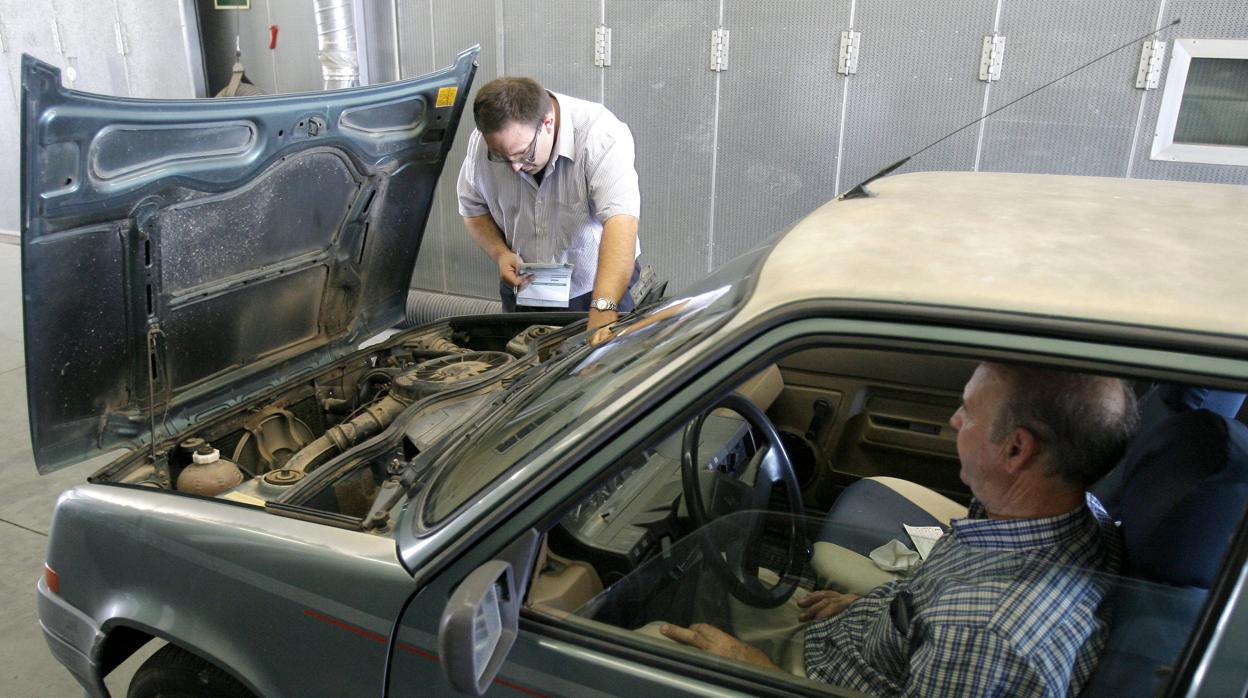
column 731, row 545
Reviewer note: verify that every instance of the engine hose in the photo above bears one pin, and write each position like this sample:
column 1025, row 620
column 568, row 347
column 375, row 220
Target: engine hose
column 313, row 455
column 340, row 437
column 367, row 387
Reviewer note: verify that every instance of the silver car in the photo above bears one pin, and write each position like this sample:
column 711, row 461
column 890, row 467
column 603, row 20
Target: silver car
column 312, row 504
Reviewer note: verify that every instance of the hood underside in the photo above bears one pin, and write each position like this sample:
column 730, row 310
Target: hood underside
column 179, row 257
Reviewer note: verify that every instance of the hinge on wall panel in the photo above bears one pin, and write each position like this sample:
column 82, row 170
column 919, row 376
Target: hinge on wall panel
column 719, row 49
column 990, row 58
column 120, row 35
column 847, row 63
column 1151, row 55
column 602, row 46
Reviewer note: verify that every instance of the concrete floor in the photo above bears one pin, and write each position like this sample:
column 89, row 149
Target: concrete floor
column 26, row 500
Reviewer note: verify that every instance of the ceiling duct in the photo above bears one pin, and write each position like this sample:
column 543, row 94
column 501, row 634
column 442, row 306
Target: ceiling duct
column 335, row 43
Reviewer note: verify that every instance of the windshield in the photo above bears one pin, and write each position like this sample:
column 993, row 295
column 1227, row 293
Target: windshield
column 582, row 382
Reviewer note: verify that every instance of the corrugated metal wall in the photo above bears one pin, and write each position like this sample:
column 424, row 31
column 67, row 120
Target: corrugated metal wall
column 132, row 48
column 728, row 159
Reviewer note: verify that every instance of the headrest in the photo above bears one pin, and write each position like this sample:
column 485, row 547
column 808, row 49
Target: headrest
column 1185, row 491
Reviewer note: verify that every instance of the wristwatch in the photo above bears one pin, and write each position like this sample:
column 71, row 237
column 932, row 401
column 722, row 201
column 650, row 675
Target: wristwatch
column 603, row 304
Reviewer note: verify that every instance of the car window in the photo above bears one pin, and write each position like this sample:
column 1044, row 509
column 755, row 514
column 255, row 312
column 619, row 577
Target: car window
column 583, row 380
column 1140, row 626
column 907, row 606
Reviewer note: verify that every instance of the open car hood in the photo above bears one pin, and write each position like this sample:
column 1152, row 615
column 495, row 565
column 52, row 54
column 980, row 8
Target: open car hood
column 179, row 257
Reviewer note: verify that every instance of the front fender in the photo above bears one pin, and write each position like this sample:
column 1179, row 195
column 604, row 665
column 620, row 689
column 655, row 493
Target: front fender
column 257, row 594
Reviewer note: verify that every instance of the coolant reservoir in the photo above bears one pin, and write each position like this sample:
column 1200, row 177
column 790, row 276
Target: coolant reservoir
column 208, row 474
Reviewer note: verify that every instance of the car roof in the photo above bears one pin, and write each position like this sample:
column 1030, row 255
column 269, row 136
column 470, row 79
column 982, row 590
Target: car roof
column 1141, row 252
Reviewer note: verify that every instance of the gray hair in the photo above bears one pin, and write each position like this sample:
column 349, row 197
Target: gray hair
column 1082, row 422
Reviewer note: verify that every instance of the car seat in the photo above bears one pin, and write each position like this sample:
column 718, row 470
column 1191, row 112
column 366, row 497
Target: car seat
column 1162, row 402
column 1179, row 494
column 1184, row 492
column 870, row 512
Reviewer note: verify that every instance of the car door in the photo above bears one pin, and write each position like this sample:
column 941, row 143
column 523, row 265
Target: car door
column 553, row 659
column 559, row 654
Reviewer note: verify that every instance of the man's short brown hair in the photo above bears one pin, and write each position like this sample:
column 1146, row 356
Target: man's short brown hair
column 504, row 100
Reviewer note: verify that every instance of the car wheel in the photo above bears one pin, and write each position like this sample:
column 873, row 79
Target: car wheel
column 172, row 672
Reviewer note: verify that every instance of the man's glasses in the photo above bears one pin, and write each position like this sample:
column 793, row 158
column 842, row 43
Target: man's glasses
column 527, row 159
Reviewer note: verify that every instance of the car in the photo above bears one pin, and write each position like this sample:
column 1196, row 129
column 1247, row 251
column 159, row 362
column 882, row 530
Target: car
column 314, row 504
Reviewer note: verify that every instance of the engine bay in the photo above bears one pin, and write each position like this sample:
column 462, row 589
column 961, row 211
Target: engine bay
column 314, row 445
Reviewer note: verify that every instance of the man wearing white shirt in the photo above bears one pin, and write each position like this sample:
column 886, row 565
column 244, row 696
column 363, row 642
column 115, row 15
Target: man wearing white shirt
column 549, row 178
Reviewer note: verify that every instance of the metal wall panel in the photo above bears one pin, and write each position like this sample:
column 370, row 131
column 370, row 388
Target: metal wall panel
column 917, row 80
column 416, row 57
column 1084, row 124
column 778, row 129
column 554, row 44
column 89, row 58
column 159, row 61
column 27, row 29
column 416, row 42
column 449, row 260
column 9, row 148
column 81, row 40
column 659, row 83
column 1202, row 19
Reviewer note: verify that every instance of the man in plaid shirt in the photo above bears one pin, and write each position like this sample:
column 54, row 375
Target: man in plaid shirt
column 1007, row 603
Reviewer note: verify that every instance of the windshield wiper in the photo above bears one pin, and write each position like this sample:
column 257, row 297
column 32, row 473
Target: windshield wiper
column 409, row 476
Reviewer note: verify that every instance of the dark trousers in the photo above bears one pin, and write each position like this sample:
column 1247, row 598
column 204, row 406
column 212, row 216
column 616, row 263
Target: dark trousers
column 580, row 302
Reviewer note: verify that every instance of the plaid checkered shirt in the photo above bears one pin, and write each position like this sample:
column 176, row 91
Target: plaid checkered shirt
column 1001, row 607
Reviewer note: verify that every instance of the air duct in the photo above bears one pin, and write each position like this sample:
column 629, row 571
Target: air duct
column 335, row 42
column 429, row 306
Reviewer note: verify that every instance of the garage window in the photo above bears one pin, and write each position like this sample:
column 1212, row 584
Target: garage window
column 1204, row 110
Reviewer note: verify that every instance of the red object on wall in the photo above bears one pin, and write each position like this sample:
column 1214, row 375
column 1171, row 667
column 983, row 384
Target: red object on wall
column 272, row 36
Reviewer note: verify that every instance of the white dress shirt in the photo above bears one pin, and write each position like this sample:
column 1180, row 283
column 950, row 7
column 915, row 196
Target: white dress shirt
column 589, row 178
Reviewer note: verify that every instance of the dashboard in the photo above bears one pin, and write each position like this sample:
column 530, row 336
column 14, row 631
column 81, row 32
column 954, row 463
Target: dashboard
column 638, row 510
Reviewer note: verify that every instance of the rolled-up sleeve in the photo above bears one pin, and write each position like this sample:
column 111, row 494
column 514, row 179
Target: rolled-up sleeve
column 471, row 201
column 611, row 176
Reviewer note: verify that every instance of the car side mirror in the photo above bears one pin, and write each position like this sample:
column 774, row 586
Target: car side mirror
column 479, row 626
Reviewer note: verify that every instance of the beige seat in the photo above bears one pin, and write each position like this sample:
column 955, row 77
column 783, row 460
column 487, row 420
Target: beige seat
column 868, row 514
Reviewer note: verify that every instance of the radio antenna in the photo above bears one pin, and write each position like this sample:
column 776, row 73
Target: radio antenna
column 860, row 190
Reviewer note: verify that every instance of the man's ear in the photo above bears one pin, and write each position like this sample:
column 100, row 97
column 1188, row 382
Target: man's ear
column 1021, row 449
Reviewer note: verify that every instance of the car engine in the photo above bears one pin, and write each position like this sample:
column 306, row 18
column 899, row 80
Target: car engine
column 296, row 446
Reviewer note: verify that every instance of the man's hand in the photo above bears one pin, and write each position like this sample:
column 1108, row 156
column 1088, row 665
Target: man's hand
column 509, row 270
column 715, row 641
column 824, row 604
column 601, row 318
column 600, row 336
